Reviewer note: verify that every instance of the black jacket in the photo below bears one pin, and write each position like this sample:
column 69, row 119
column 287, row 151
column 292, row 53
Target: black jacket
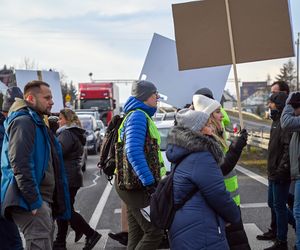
column 72, row 140
column 278, row 152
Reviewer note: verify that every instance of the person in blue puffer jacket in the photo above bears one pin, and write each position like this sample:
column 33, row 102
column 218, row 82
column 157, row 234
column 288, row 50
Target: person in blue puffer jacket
column 143, row 102
column 200, row 223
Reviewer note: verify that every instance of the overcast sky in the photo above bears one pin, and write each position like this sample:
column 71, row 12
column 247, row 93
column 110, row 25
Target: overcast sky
column 108, row 38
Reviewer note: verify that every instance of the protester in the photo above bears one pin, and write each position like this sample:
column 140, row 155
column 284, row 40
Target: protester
column 9, row 233
column 235, row 233
column 200, row 223
column 137, row 130
column 276, row 87
column 34, row 185
column 290, row 120
column 278, row 170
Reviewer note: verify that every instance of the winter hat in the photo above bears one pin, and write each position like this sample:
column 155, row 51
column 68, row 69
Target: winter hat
column 295, row 100
column 205, row 104
column 205, row 91
column 142, row 90
column 279, row 99
column 9, row 97
column 194, row 120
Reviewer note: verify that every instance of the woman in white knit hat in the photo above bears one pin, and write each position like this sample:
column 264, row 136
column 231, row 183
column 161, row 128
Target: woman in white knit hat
column 200, row 223
column 236, row 235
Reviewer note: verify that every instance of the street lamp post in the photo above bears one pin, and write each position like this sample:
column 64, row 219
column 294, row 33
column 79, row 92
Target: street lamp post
column 298, row 61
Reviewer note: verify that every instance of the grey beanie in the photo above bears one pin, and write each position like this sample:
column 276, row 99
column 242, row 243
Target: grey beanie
column 205, row 91
column 9, row 97
column 194, row 120
column 142, row 90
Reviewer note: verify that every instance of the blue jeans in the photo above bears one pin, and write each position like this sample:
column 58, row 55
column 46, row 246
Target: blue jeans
column 277, row 198
column 9, row 235
column 297, row 212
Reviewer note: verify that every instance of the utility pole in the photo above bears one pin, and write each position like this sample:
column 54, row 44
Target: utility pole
column 298, row 61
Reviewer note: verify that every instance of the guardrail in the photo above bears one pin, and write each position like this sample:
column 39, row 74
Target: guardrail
column 255, row 139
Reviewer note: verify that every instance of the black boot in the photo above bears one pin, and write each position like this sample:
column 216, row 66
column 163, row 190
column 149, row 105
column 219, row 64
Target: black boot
column 78, row 236
column 57, row 245
column 121, row 237
column 270, row 235
column 278, row 245
column 91, row 241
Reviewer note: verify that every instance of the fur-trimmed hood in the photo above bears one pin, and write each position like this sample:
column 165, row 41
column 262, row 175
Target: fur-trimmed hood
column 183, row 141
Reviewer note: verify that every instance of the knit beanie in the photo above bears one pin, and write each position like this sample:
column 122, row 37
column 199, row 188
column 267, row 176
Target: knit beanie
column 194, row 120
column 205, row 91
column 9, row 97
column 142, row 90
column 279, row 99
column 295, row 100
column 205, row 104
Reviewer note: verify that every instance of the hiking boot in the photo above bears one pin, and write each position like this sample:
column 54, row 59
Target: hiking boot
column 270, row 235
column 57, row 245
column 78, row 236
column 121, row 237
column 91, row 241
column 278, row 245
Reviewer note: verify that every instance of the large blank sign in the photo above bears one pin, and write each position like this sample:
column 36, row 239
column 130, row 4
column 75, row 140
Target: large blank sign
column 261, row 30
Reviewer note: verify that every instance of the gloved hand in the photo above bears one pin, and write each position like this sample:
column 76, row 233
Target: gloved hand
column 295, row 100
column 241, row 141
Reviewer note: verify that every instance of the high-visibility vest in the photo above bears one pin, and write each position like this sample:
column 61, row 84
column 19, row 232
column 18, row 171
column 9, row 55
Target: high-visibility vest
column 154, row 134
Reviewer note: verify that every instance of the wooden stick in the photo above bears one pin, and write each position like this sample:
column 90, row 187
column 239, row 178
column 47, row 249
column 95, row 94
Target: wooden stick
column 234, row 64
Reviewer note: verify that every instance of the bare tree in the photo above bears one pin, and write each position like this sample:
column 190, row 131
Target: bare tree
column 28, row 63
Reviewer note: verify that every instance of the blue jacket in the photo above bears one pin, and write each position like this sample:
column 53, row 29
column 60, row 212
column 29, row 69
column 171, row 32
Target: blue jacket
column 23, row 167
column 200, row 223
column 135, row 128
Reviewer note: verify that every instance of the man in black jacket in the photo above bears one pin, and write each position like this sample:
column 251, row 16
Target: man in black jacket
column 279, row 170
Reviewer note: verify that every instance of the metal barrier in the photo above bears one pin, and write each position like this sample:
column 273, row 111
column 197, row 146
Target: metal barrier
column 256, row 139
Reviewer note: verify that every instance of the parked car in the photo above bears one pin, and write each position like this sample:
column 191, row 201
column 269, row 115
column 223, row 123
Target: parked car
column 93, row 136
column 93, row 112
column 102, row 128
column 163, row 129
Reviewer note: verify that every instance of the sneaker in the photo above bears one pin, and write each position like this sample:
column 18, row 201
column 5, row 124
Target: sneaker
column 91, row 241
column 278, row 245
column 78, row 236
column 121, row 237
column 270, row 235
column 57, row 245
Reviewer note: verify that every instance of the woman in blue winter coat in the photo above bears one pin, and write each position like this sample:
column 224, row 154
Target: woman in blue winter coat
column 200, row 223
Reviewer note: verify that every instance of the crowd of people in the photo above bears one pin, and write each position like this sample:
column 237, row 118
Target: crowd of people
column 41, row 173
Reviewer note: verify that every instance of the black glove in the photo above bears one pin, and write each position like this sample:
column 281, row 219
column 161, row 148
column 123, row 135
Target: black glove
column 295, row 100
column 241, row 141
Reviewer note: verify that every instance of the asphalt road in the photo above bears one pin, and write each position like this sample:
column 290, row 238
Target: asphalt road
column 100, row 205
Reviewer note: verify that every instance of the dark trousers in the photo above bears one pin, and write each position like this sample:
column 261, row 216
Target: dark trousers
column 277, row 199
column 9, row 235
column 77, row 222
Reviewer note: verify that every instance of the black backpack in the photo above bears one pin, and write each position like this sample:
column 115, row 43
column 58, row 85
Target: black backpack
column 107, row 163
column 162, row 207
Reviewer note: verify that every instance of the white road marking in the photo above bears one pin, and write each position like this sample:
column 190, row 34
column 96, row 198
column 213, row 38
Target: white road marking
column 100, row 206
column 254, row 205
column 118, row 211
column 252, row 230
column 252, row 175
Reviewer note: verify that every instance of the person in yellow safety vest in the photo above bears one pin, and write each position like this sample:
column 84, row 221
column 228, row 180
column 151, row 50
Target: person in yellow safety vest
column 235, row 234
column 135, row 131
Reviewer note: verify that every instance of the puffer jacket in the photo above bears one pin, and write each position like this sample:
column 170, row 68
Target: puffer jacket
column 135, row 128
column 72, row 140
column 23, row 168
column 291, row 123
column 200, row 223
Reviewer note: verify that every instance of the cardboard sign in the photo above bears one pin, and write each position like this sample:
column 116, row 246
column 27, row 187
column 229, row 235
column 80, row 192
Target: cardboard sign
column 261, row 30
column 161, row 68
column 50, row 77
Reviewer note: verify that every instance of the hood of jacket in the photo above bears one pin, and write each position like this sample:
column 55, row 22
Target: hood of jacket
column 79, row 132
column 132, row 104
column 183, row 141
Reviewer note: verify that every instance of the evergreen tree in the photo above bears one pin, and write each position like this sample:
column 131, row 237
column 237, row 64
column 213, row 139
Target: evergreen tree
column 287, row 73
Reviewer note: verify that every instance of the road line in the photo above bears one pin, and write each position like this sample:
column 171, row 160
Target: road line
column 252, row 230
column 254, row 205
column 100, row 206
column 252, row 175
